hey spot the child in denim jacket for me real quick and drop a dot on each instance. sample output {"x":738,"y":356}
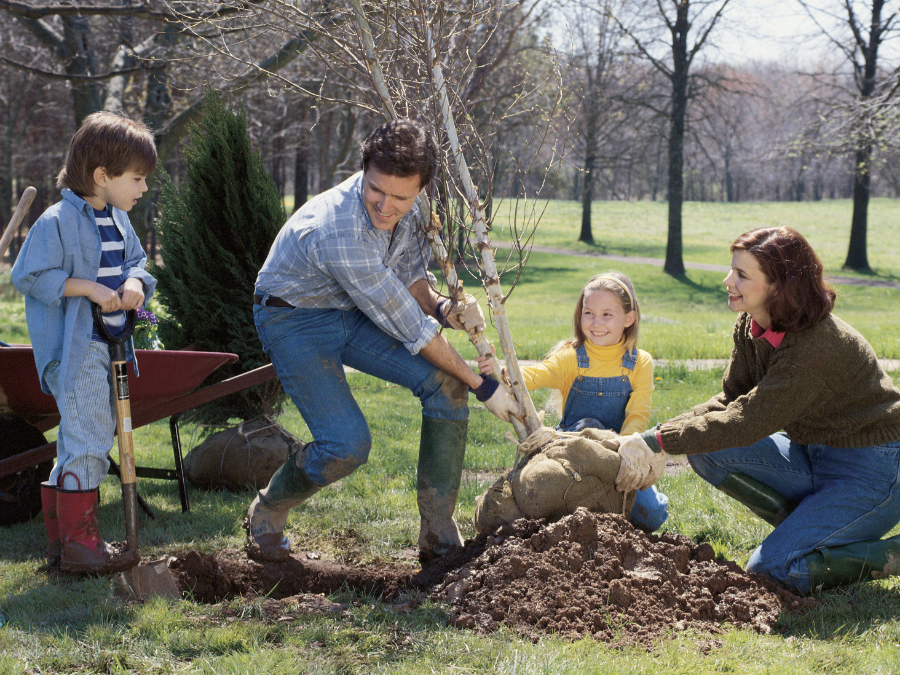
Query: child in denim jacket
{"x":83,"y":250}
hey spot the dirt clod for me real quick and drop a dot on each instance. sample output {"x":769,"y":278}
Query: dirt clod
{"x":587,"y":575}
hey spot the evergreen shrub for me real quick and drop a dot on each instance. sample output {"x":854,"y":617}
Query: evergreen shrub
{"x":215,"y":231}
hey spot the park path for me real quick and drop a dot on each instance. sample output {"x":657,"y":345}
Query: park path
{"x":693,"y":364}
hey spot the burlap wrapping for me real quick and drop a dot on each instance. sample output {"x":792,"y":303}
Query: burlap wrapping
{"x":572,"y":470}
{"x":242,"y":457}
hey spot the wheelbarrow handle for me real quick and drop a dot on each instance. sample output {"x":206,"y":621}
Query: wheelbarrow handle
{"x":116,"y":342}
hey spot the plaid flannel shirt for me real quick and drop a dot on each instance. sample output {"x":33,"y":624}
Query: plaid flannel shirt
{"x":328,"y":255}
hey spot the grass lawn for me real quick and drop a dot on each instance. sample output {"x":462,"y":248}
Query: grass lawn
{"x":79,"y":626}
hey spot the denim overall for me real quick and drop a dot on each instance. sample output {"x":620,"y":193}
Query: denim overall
{"x":599,"y":403}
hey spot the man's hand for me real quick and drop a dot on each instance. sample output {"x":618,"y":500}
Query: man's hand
{"x":640,"y":467}
{"x":498,"y":399}
{"x":463,"y":316}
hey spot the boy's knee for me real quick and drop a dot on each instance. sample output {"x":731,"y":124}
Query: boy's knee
{"x":327,"y":463}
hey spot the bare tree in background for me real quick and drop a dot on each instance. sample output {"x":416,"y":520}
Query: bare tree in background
{"x":663,"y":41}
{"x":857,"y":30}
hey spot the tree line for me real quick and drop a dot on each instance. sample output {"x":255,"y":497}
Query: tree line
{"x":577,"y":99}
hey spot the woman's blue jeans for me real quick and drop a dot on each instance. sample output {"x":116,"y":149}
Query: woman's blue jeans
{"x":844,"y":495}
{"x":309,"y":348}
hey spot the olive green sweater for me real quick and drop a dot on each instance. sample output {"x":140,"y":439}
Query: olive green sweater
{"x":821,"y":386}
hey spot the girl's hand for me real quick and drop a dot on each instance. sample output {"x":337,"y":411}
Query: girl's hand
{"x":485,"y":364}
{"x":132,"y":294}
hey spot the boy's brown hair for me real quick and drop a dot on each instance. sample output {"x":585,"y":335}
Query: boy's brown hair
{"x":107,"y":139}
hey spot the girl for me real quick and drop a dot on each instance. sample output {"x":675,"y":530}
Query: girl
{"x":605,"y":381}
{"x":830,"y":482}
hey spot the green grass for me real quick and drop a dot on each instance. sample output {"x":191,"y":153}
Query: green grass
{"x":79,"y":626}
{"x":640,"y":229}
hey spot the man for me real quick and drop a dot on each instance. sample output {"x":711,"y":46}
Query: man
{"x":345,"y":283}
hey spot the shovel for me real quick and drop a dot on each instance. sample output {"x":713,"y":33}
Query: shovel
{"x":146,"y":579}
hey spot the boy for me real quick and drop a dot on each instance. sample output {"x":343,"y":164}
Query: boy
{"x":83,"y":250}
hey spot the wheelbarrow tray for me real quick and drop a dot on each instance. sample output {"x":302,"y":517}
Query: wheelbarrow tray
{"x":163,"y":375}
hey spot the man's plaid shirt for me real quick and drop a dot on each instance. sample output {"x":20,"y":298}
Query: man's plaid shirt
{"x":328,"y":255}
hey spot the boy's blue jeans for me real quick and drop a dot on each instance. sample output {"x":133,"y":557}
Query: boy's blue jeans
{"x":309,"y":348}
{"x":844,"y":495}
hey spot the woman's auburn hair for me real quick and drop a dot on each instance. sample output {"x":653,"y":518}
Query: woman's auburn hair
{"x":801,"y":299}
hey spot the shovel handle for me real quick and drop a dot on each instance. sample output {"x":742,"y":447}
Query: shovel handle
{"x":16,"y":220}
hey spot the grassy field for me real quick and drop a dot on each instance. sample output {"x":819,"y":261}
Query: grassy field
{"x":79,"y":626}
{"x":640,"y":229}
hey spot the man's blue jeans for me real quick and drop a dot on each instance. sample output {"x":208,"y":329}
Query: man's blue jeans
{"x":309,"y":348}
{"x":844,"y":495}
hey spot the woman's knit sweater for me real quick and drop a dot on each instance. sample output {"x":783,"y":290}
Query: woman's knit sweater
{"x":821,"y":386}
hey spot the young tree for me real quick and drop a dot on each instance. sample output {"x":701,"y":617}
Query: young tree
{"x":216,"y":230}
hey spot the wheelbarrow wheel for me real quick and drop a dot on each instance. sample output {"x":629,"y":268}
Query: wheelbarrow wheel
{"x":20,"y":493}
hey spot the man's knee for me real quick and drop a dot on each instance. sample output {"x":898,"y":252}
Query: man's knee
{"x":446,"y":393}
{"x":328,"y":462}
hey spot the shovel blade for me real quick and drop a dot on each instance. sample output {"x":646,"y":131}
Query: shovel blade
{"x":146,"y":580}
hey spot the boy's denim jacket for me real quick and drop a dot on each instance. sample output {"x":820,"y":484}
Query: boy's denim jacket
{"x":65,"y":243}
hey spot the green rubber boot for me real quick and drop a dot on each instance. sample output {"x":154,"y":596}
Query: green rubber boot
{"x":860,"y":561}
{"x":267,"y":516}
{"x":758,"y":497}
{"x":442,"y":450}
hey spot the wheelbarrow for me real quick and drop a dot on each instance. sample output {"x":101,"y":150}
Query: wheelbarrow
{"x":165,"y":388}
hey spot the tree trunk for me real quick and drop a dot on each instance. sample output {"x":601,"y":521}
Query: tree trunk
{"x":674,"y":264}
{"x":857,"y":257}
{"x":587,"y":197}
{"x":301,"y":176}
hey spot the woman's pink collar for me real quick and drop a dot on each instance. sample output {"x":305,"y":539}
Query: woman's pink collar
{"x":772,"y":337}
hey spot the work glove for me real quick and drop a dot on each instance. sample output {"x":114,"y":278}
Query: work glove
{"x":499,"y":400}
{"x":462,"y":316}
{"x":640,"y":465}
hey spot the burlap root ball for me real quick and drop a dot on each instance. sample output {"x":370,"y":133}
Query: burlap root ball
{"x":573,"y":470}
{"x":241,"y":457}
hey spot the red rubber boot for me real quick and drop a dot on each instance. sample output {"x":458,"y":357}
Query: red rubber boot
{"x":84,"y":551}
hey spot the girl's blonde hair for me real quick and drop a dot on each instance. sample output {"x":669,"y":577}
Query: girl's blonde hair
{"x":620,"y":286}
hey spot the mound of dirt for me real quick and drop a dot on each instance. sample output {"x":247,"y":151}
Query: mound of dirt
{"x":595,"y":575}
{"x":587,"y":575}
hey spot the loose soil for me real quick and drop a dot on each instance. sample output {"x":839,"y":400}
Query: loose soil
{"x":587,"y":575}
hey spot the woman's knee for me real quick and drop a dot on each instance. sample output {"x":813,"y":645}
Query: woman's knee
{"x":709,"y":470}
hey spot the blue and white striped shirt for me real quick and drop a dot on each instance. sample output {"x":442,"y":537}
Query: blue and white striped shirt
{"x":112,"y":259}
{"x":328,"y":255}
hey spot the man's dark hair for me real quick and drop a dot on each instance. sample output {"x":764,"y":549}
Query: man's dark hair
{"x":403,"y":148}
{"x":110,"y":140}
{"x":801,"y":298}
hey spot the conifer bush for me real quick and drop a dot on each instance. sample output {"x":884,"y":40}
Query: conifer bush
{"x":215,"y":231}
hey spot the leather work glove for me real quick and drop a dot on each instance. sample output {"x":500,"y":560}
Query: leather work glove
{"x":498,"y":400}
{"x":462,"y":316}
{"x":640,"y":466}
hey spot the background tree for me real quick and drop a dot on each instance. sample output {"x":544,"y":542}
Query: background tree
{"x":675,"y":19}
{"x":216,"y":229}
{"x":857,"y":30}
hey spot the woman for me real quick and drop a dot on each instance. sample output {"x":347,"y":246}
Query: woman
{"x":830,"y":481}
